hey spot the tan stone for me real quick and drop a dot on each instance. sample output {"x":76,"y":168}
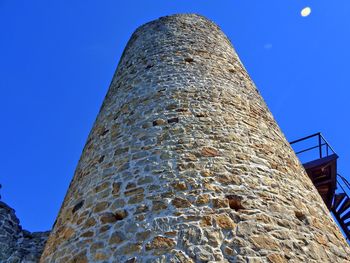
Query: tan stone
{"x":81,"y":258}
{"x":160,"y":242}
{"x":140,"y":217}
{"x":87,"y":234}
{"x":229,"y":251}
{"x":120,"y":214}
{"x":135,"y":191}
{"x":116,"y":189}
{"x":101,"y":207}
{"x":225,"y":221}
{"x":276,"y":258}
{"x":108,"y":218}
{"x":97,"y":245}
{"x":203,"y":199}
{"x":180,"y":257}
{"x":120,"y":151}
{"x":136,"y":199}
{"x":228,"y":179}
{"x":220,"y":203}
{"x":171,"y":106}
{"x":101,"y":256}
{"x":206,"y":221}
{"x":80,"y":220}
{"x":141,"y":236}
{"x":180,"y":202}
{"x":141,"y":209}
{"x":104,"y":228}
{"x":322,"y":239}
{"x":264,"y":218}
{"x":116,"y":238}
{"x":316,"y":223}
{"x":264,"y":242}
{"x":130,"y":186}
{"x":130,"y":248}
{"x":206,"y":173}
{"x":159,"y":122}
{"x":101,"y":187}
{"x":68,"y":233}
{"x":209,"y":152}
{"x":180,"y":186}
{"x":211,"y":187}
{"x":158,"y":205}
{"x":190,"y":157}
{"x":214,"y":238}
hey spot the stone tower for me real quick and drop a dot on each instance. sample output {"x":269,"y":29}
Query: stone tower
{"x":185,"y":163}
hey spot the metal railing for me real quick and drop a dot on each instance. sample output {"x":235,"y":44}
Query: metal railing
{"x":324,"y":148}
{"x":344,"y":184}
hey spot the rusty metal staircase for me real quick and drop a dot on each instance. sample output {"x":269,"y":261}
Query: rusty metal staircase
{"x":320,"y":163}
{"x":341,"y":205}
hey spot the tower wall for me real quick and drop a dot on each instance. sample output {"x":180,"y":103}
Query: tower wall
{"x":185,"y":163}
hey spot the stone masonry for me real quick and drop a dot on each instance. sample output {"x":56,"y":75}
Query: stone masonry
{"x":185,"y":163}
{"x":18,"y":245}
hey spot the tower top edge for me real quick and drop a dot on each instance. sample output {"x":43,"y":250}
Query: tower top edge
{"x":177,"y":29}
{"x":184,"y":17}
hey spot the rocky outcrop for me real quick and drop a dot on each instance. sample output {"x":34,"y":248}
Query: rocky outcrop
{"x":18,"y":245}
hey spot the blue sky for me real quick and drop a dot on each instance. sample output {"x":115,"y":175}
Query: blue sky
{"x":57,"y":59}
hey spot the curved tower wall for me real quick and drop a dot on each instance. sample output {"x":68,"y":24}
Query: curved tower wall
{"x":185,"y":163}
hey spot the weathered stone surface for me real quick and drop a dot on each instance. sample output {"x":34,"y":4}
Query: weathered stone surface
{"x":68,"y":233}
{"x":101,"y":256}
{"x":159,"y":122}
{"x":116,"y":188}
{"x":276,"y":258}
{"x":180,"y":186}
{"x":203,"y":199}
{"x":206,"y":221}
{"x":162,"y":243}
{"x":220,"y":203}
{"x":180,"y":257}
{"x":235,"y":202}
{"x":185,"y":163}
{"x":225,"y":222}
{"x":134,"y":191}
{"x":16,"y":244}
{"x":116,"y":238}
{"x":209,"y":152}
{"x":80,"y":258}
{"x":120,"y":214}
{"x":102,"y":187}
{"x":101,"y":207}
{"x":130,"y":248}
{"x":87,"y":234}
{"x":89,"y":223}
{"x":108,"y":218}
{"x":159,"y":205}
{"x":181,"y":202}
{"x":265,"y":242}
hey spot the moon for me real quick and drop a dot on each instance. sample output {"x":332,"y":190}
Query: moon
{"x":306,"y":11}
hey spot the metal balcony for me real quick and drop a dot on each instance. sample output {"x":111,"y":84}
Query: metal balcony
{"x":320,"y":162}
